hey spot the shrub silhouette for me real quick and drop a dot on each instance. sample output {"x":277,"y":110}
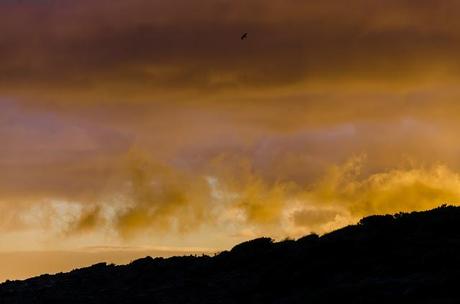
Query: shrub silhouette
{"x":254,"y":246}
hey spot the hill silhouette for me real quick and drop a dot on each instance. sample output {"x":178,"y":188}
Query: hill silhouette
{"x":402,"y":258}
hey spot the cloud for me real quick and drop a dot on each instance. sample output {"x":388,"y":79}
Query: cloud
{"x":313,"y":217}
{"x":388,"y":192}
{"x":238,"y":138}
{"x":145,"y":48}
{"x":157,"y":200}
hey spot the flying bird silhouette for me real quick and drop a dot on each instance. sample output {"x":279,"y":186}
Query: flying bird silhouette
{"x":245,"y":35}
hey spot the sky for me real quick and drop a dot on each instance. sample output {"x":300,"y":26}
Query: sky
{"x":141,"y":126}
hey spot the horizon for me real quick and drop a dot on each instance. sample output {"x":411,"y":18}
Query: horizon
{"x":182,"y":125}
{"x":22,"y":265}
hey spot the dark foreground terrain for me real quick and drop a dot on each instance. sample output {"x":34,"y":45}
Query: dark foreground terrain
{"x":402,"y":258}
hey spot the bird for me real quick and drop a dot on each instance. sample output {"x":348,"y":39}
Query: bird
{"x":245,"y":35}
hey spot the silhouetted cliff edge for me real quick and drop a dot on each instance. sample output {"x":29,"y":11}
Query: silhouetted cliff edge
{"x":402,"y":258}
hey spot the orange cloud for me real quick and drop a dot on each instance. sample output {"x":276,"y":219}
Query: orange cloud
{"x":234,"y":203}
{"x":238,"y":137}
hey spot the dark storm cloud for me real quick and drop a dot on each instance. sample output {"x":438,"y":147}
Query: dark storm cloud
{"x":153,"y":45}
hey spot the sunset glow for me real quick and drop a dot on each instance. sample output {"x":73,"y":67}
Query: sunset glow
{"x":150,"y":126}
